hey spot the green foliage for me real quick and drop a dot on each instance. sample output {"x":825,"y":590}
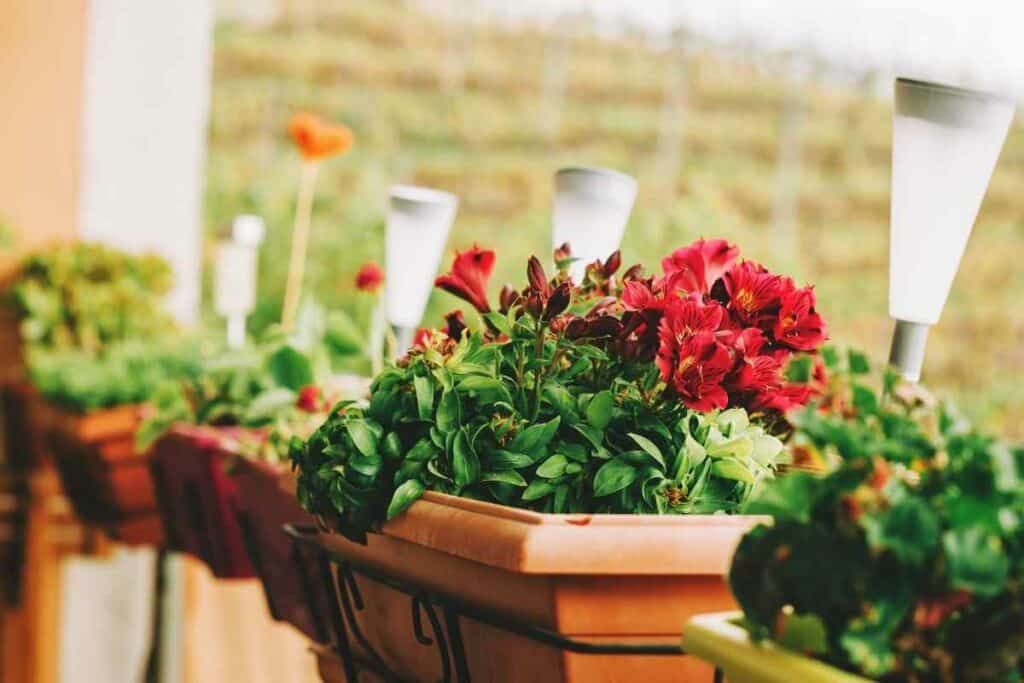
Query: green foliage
{"x":86,"y":296}
{"x":909,"y":554}
{"x":255,"y":387}
{"x":535,"y":421}
{"x":127,"y":372}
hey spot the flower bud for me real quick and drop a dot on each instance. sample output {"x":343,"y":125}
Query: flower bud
{"x":613,"y":263}
{"x":537,"y":277}
{"x":558,"y":302}
{"x":508,"y":298}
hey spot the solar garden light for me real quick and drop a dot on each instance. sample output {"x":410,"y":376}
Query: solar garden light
{"x":945,"y":144}
{"x":419,"y":219}
{"x":591,"y":208}
{"x":235,"y":279}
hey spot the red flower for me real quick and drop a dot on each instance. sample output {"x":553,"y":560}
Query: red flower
{"x":752,"y":293}
{"x":639,"y":295}
{"x":691,"y":358}
{"x":798,"y":325}
{"x":696,"y":267}
{"x":423,"y":337}
{"x":369,"y":278}
{"x":695,"y":368}
{"x":783,"y":398}
{"x":932,"y":612}
{"x":469,"y":276}
{"x":309,"y":398}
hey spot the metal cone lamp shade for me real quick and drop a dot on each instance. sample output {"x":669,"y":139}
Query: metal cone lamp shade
{"x":591,"y":208}
{"x":419,"y":220}
{"x":945,"y":145}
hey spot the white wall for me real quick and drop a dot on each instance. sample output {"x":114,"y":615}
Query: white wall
{"x":146,"y":103}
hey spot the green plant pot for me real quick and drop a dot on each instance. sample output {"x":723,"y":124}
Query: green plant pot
{"x":716,"y":639}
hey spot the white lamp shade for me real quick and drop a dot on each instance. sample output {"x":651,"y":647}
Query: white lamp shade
{"x":945,"y":145}
{"x":418,"y":223}
{"x":234,"y":290}
{"x":591,"y":208}
{"x":248,"y":230}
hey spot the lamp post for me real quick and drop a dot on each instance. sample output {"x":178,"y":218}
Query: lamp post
{"x":945,"y":145}
{"x":235,"y":278}
{"x":419,"y":219}
{"x":590,"y":212}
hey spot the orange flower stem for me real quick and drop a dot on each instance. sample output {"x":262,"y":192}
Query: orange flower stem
{"x":300,"y":242}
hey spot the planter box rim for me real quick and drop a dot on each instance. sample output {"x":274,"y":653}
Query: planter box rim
{"x":714,"y":638}
{"x":528,"y":542}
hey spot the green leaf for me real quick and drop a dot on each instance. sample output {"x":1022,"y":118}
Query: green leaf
{"x":787,"y":498}
{"x":290,"y":368}
{"x":267,"y":405}
{"x":739,"y":447}
{"x":733,"y":421}
{"x":859,"y":364}
{"x":592,"y":435}
{"x":976,"y":560}
{"x":732,"y":469}
{"x":537,"y":489}
{"x":909,"y":530}
{"x":534,"y":437}
{"x":362,"y":436}
{"x":553,"y":467}
{"x":447,"y":418}
{"x":499,"y":322}
{"x":613,"y":476}
{"x":506,"y":460}
{"x":766,"y":449}
{"x":367,"y":465}
{"x":599,"y":410}
{"x":510,"y":477}
{"x":804,"y":633}
{"x":424,"y":397}
{"x":404,"y":496}
{"x":649,"y":447}
{"x":484,"y":388}
{"x":864,"y":400}
{"x":465,"y":463}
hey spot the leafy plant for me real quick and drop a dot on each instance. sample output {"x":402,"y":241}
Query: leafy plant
{"x":260,"y":387}
{"x":85,"y":296}
{"x":906,"y":562}
{"x":556,"y":401}
{"x":125,"y":373}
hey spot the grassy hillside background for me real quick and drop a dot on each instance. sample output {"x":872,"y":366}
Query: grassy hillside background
{"x":380,"y":68}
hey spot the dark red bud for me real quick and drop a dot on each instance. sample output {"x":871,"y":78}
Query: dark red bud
{"x":576,"y":328}
{"x":456,"y":324}
{"x":613,"y":263}
{"x":634,"y":273}
{"x":537,"y":277}
{"x":558,"y":302}
{"x":508,"y":298}
{"x":534,"y":305}
{"x":605,"y":326}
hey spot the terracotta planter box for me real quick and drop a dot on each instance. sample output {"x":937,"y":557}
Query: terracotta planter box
{"x":716,"y":639}
{"x":103,"y":474}
{"x":198,"y":499}
{"x":600,"y":578}
{"x":265,"y":507}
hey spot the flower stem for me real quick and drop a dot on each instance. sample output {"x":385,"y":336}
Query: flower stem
{"x":300,"y":242}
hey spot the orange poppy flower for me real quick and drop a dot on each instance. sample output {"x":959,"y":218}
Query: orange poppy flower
{"x":319,"y":140}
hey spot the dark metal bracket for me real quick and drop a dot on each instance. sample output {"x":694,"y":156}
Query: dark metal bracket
{"x":443,"y":614}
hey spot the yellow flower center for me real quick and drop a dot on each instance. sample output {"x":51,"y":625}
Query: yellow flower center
{"x":745,"y":299}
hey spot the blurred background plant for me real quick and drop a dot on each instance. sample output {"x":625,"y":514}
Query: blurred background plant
{"x":87,"y":296}
{"x":796,"y":170}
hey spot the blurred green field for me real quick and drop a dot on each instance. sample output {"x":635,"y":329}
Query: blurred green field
{"x":378,"y":67}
